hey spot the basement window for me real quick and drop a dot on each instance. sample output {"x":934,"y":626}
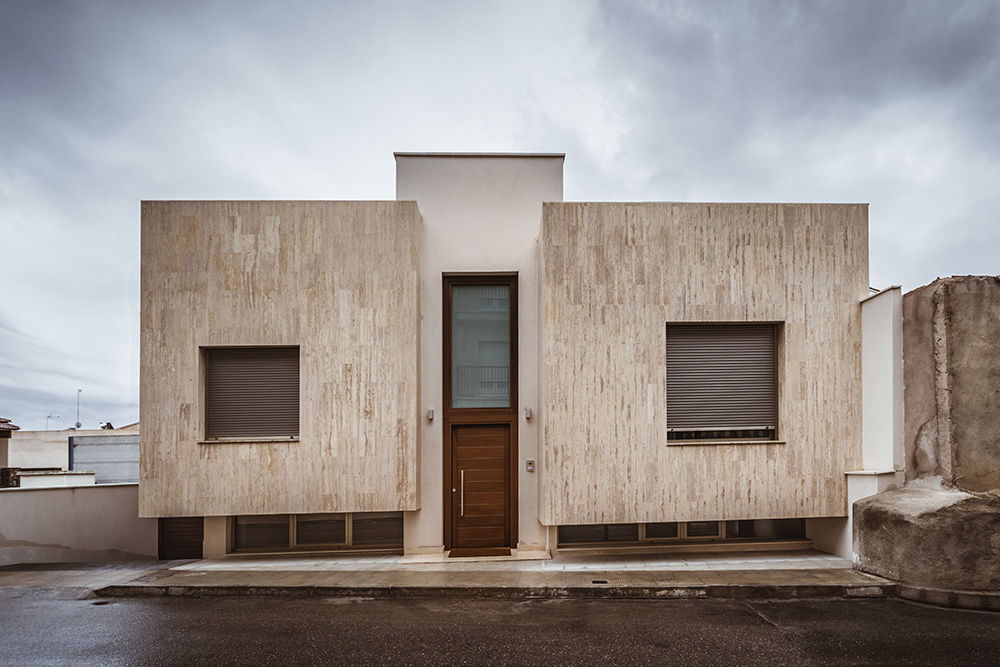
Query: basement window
{"x":317,"y":532}
{"x":625,"y":534}
{"x":721,"y":382}
{"x":251,"y":393}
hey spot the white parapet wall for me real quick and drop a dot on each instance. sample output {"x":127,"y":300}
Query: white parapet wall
{"x":882,"y":457}
{"x":38,"y":479}
{"x":74,"y":524}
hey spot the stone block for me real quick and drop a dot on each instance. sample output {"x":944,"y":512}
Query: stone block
{"x":930,"y":537}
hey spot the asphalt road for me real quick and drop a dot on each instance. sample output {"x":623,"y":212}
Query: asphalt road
{"x":39,"y":629}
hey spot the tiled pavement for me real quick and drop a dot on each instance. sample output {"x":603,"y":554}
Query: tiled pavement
{"x":748,"y":575}
{"x":765,"y":575}
{"x":565,"y":562}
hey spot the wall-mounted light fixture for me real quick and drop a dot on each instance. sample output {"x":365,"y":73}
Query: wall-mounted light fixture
{"x":430,"y":415}
{"x":527,"y":413}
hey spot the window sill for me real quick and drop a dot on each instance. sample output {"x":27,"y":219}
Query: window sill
{"x":247,"y":441}
{"x":688,"y":443}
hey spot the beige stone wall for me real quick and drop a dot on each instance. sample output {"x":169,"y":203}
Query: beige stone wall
{"x":614,"y":274}
{"x":338,"y":279}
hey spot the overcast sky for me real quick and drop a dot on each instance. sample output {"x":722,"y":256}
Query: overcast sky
{"x":103,"y":104}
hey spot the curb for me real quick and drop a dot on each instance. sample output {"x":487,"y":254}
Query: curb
{"x":718,"y":592}
{"x":944,"y":597}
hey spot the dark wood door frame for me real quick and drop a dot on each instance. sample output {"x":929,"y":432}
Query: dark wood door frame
{"x":454,"y":416}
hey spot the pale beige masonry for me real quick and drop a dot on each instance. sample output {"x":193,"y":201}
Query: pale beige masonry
{"x":614,"y":274}
{"x":480,"y":213}
{"x":338,"y":279}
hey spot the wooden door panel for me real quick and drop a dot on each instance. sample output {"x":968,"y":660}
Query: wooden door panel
{"x":480,"y":457}
{"x":480,"y":419}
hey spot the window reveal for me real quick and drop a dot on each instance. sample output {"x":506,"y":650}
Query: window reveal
{"x":721,"y":382}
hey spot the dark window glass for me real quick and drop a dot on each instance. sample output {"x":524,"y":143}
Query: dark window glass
{"x":589,"y":533}
{"x":269,"y":531}
{"x":740,"y":529}
{"x":599,"y":532}
{"x":660,"y":531}
{"x":703,"y":529}
{"x":623,"y":532}
{"x":480,"y":346}
{"x":320,"y":529}
{"x":377,"y":529}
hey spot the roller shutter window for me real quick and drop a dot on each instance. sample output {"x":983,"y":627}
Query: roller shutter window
{"x":252,"y":392}
{"x":721,"y":382}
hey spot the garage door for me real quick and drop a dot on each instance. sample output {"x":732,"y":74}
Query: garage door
{"x":181,"y":537}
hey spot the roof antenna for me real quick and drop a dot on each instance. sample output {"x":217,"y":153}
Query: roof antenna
{"x":78,"y":424}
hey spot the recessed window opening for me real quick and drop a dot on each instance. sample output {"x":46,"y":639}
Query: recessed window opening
{"x":251,"y":392}
{"x":316,"y":532}
{"x":721,"y":381}
{"x":680,"y":531}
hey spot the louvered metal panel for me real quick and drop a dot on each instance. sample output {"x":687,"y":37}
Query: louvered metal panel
{"x":252,"y":392}
{"x":721,"y":377}
{"x":181,"y":537}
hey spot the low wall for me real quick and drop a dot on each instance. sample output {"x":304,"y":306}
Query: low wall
{"x":74,"y":524}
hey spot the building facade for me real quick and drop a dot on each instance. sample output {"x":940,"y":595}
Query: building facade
{"x":479,"y":367}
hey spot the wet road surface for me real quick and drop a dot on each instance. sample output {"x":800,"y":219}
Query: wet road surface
{"x":52,"y":628}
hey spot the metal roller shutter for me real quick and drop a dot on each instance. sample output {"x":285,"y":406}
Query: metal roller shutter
{"x":252,"y":392}
{"x":181,"y":537}
{"x":721,"y":377}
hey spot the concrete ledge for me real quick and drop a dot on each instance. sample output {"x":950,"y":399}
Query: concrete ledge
{"x":735,"y":592}
{"x":690,"y":584}
{"x":988,"y":600}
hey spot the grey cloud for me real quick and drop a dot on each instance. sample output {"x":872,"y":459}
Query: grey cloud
{"x":108,"y":103}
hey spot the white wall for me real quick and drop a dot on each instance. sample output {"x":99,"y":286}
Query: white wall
{"x":882,"y":380}
{"x":480,"y":213}
{"x":40,"y":480}
{"x":883,"y":459}
{"x":74,"y":524}
{"x":50,"y":449}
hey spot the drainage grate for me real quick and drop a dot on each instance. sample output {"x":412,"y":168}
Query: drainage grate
{"x":598,"y":581}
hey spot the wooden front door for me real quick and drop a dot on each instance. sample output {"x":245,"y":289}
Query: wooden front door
{"x":480,"y":415}
{"x":481,"y":466}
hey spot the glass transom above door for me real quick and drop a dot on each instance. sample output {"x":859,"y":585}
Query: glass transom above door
{"x":480,"y":346}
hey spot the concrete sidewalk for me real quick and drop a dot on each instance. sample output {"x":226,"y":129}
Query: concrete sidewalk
{"x":734,"y":576}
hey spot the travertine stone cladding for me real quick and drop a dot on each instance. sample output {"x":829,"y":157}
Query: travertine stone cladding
{"x":338,"y":279}
{"x":613,"y":274}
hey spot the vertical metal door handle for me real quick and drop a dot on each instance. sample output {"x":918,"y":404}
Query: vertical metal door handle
{"x":462,"y":495}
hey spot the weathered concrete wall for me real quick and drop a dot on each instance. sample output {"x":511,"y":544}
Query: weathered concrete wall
{"x":951,"y":369}
{"x":932,"y":533}
{"x":77,"y":524}
{"x":930,"y":537}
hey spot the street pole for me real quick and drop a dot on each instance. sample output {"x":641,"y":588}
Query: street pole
{"x":78,"y":408}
